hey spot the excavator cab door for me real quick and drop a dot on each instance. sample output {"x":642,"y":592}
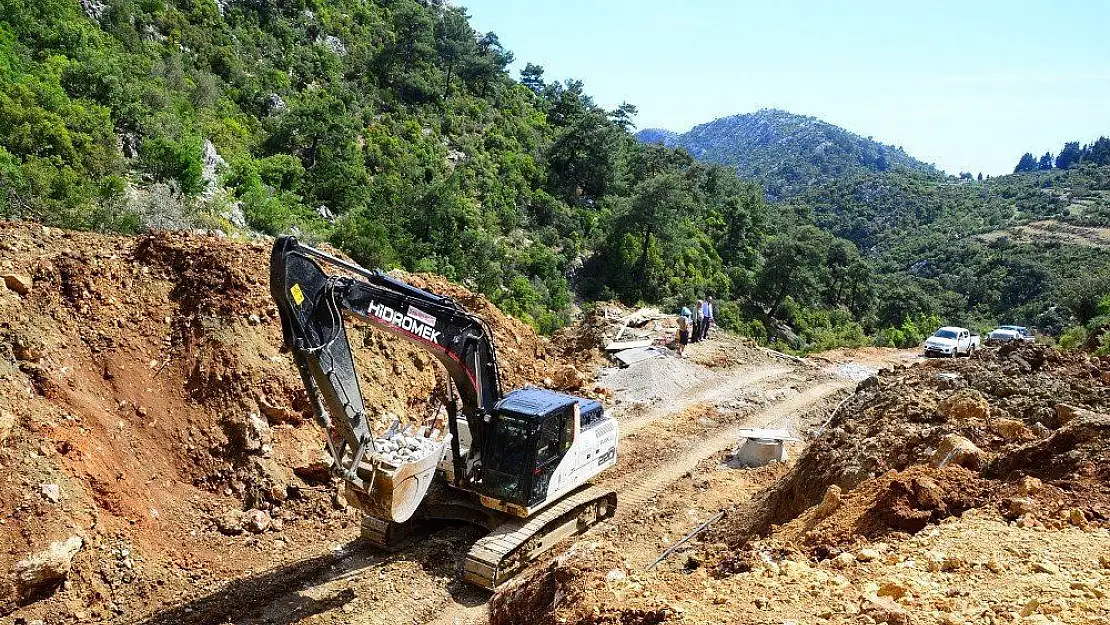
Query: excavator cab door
{"x":554,"y":437}
{"x":505,"y":472}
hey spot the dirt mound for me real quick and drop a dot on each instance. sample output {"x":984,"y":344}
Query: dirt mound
{"x":952,"y":491}
{"x":588,"y":585}
{"x":148,"y":414}
{"x":999,"y":403}
{"x":902,"y":502}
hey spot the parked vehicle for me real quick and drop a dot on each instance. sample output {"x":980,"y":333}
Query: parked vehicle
{"x":1005,"y":334}
{"x":951,"y":342}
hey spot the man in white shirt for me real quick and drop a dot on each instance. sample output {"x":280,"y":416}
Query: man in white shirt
{"x":707,"y":317}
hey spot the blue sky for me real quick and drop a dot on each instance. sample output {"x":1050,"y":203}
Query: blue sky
{"x":969,"y":86}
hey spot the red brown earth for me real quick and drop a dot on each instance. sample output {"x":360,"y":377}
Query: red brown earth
{"x":143,"y":386}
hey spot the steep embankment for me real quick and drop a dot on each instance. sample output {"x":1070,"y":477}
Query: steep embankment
{"x":156,"y":441}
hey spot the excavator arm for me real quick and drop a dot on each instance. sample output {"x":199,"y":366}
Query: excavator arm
{"x":312,"y":305}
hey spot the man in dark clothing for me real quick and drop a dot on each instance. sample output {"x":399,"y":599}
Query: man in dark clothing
{"x":707,"y":317}
{"x":698,"y":321}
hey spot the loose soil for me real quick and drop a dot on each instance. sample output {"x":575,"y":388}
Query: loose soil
{"x":876,"y":522}
{"x":144,"y":377}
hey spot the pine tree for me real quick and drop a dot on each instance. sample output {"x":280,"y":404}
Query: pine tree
{"x":1070,"y":155}
{"x":532,"y":77}
{"x":1027,"y":163}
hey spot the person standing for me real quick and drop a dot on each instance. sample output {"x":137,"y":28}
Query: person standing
{"x":697,"y":321}
{"x":707,"y":317}
{"x":683,"y":332}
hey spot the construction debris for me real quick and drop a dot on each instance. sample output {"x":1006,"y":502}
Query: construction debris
{"x":632,"y":356}
{"x":758,"y":447}
{"x":617,"y":346}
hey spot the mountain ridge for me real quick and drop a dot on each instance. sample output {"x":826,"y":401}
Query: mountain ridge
{"x":784,"y":151}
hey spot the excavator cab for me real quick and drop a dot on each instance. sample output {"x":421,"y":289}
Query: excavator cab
{"x":533,"y":430}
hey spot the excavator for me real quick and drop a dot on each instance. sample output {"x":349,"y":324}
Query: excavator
{"x":517,"y":464}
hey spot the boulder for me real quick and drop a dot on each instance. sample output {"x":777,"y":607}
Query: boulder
{"x":1030,"y":485}
{"x":884,"y":610}
{"x":230,"y":523}
{"x":830,"y":503}
{"x":1012,"y":430}
{"x":28,"y":350}
{"x":257,"y":521}
{"x":868,"y":555}
{"x":51,"y":492}
{"x":1066,"y":413}
{"x":957,"y":450}
{"x":1018,"y":507}
{"x":965,"y":406}
{"x":7,"y":422}
{"x":18,"y":282}
{"x":39,"y":574}
{"x":251,"y":434}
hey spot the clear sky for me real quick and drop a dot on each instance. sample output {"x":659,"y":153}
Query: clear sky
{"x":967,"y":85}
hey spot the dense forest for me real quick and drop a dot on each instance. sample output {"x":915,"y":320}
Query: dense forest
{"x":393,"y":130}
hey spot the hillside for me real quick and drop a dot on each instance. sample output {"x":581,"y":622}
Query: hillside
{"x":1011,"y":247}
{"x":393,"y":130}
{"x":786,"y":152}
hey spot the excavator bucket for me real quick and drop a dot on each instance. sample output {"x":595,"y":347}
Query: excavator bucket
{"x":400,"y":473}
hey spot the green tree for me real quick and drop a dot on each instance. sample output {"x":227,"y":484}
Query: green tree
{"x":624,"y":116}
{"x":1069,"y":156}
{"x":414,"y":44}
{"x":454,"y":43}
{"x":1027,"y":163}
{"x":791,"y":269}
{"x":532,"y":77}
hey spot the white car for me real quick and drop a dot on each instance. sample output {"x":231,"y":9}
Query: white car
{"x":951,"y":341}
{"x":1005,"y":334}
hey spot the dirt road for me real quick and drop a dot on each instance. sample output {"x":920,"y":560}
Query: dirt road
{"x":665,"y":442}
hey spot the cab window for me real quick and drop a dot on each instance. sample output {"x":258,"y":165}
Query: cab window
{"x":568,"y":433}
{"x":548,"y":445}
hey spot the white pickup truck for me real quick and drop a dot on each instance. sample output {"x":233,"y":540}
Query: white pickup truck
{"x":951,"y":342}
{"x":1005,"y":334}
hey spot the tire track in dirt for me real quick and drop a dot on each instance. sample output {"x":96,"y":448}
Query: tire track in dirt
{"x":327,"y":591}
{"x":706,"y":392}
{"x":636,"y":489}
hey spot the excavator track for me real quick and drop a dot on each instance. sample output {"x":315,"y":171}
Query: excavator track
{"x":517,"y":543}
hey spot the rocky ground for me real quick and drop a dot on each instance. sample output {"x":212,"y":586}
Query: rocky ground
{"x":160,"y":466}
{"x":156,"y":444}
{"x":967,"y":491}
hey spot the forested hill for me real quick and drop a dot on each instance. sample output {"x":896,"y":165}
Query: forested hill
{"x":393,"y":130}
{"x":785,"y":152}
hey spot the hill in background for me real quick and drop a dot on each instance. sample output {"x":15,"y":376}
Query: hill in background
{"x":786,"y":152}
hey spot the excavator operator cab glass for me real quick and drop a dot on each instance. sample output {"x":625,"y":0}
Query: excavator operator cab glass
{"x":505,"y":470}
{"x":529,"y":449}
{"x":533,"y":429}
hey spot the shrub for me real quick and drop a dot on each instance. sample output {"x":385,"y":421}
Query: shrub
{"x":167,"y":159}
{"x":1073,"y":337}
